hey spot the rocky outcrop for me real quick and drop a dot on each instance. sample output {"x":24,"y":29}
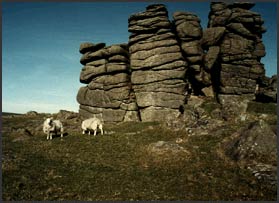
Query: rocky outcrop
{"x":31,"y":113}
{"x":234,"y":47}
{"x":165,"y":62}
{"x":66,"y":115}
{"x":108,"y":93}
{"x":253,"y":142}
{"x":157,"y":65}
{"x":21,"y":134}
{"x":254,"y":146}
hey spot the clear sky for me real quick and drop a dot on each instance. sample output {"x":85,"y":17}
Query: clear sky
{"x":40,"y":46}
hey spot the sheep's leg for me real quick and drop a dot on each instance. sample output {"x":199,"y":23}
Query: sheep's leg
{"x":101,"y":128}
{"x":83,"y":132}
{"x":47,"y":136}
{"x":88,"y":132}
{"x":95,"y":132}
{"x":50,"y":136}
{"x":62,"y":132}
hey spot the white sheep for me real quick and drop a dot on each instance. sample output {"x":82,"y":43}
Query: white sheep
{"x":52,"y":126}
{"x":92,"y":124}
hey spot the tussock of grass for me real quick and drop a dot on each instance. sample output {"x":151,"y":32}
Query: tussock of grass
{"x":209,"y":106}
{"x":264,"y":108}
{"x":118,"y":166}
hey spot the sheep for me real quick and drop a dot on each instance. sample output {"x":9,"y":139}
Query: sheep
{"x":92,"y":124}
{"x":52,"y":126}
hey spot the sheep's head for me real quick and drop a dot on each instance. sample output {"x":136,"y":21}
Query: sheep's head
{"x":48,"y":125}
{"x":49,"y":121}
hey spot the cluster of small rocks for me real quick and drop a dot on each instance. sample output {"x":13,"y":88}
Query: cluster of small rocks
{"x":158,"y":67}
{"x":108,"y":94}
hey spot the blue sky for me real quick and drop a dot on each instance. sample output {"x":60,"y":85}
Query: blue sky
{"x":40,"y":46}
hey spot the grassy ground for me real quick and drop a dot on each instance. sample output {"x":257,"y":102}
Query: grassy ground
{"x":118,"y":166}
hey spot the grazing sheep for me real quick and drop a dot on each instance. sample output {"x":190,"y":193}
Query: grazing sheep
{"x":52,"y":126}
{"x":92,"y":124}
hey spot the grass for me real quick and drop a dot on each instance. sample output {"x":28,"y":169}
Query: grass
{"x":210,"y":106}
{"x":118,"y":166}
{"x":264,"y":108}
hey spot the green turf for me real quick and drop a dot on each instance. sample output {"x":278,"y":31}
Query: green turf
{"x":118,"y":166}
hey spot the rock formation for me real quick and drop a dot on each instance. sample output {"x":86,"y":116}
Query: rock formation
{"x":234,"y":47}
{"x":164,"y":62}
{"x":108,"y":93}
{"x":266,"y":90}
{"x":189,"y":33}
{"x":158,"y":67}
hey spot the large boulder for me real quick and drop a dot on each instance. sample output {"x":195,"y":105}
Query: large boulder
{"x":240,"y":29}
{"x":90,"y":47}
{"x":102,"y":98}
{"x":108,"y":114}
{"x":254,"y":148}
{"x":255,"y":142}
{"x":212,"y":36}
{"x":211,"y":57}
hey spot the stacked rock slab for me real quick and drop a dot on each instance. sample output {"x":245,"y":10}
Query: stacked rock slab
{"x":189,"y":33}
{"x":158,"y":67}
{"x":234,"y":48}
{"x":108,"y":94}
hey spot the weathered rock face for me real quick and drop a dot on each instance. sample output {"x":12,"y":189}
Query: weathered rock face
{"x":253,"y":142}
{"x":234,"y":106}
{"x":158,"y":67}
{"x":233,"y":41}
{"x":165,"y":62}
{"x":254,"y":146}
{"x":108,"y":93}
{"x":189,"y":33}
{"x":266,"y":90}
